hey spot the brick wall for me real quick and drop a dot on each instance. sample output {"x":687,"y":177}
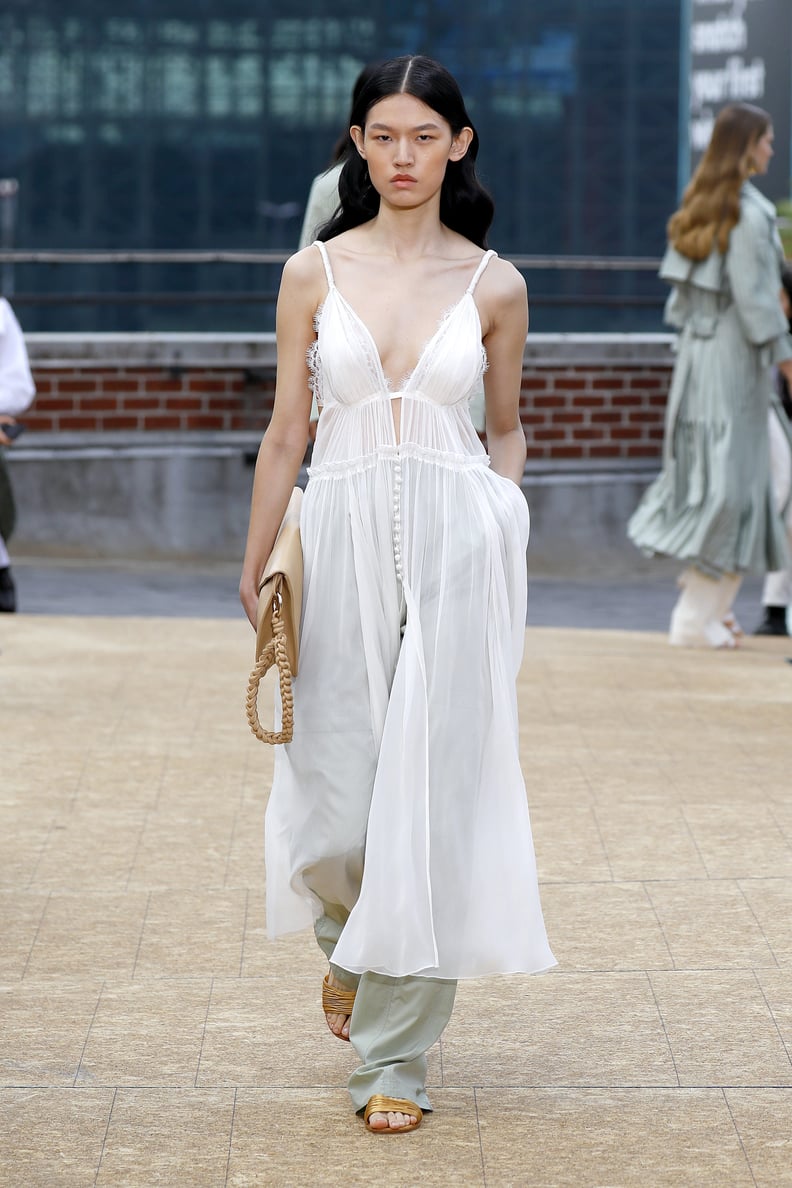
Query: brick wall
{"x":590,"y":407}
{"x":139,"y":399}
{"x":594,"y":412}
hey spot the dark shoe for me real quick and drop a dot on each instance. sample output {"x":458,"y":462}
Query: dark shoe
{"x":7,"y":591}
{"x":774,"y":621}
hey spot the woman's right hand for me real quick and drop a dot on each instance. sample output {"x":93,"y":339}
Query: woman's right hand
{"x":785,"y":367}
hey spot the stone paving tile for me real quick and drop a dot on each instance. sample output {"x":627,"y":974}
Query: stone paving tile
{"x":189,"y":780}
{"x":122,"y":773}
{"x":721,"y":1029}
{"x":52,"y":1136}
{"x":770,"y":900}
{"x":604,"y":926}
{"x":43,"y":1029}
{"x":22,"y":843}
{"x":560,"y":1138}
{"x":709,"y":924}
{"x":735,"y":844}
{"x":292,"y":956}
{"x":192,"y":934}
{"x":718,"y":781}
{"x":88,"y":934}
{"x":551,"y":779}
{"x":560,"y":1029}
{"x":146,"y":1033}
{"x":568,"y":844}
{"x":782,"y":807}
{"x":245,"y":861}
{"x":648,"y":841}
{"x":763,"y":1119}
{"x":183,"y":849}
{"x":776,"y":986}
{"x":178,"y":1137}
{"x":90,"y":850}
{"x":20,"y":917}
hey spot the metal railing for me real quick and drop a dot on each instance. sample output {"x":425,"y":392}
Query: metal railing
{"x":165,"y":256}
{"x":9,"y":258}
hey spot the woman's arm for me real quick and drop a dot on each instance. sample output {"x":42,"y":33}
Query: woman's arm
{"x":753,"y":270}
{"x":506,"y":297}
{"x":283,"y":445}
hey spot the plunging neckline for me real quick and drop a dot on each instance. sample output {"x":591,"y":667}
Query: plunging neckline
{"x":388,"y":384}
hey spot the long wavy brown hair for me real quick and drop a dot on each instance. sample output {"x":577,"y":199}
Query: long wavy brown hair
{"x":711,"y":203}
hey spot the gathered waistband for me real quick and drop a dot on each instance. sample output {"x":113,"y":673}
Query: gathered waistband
{"x":396,"y":454}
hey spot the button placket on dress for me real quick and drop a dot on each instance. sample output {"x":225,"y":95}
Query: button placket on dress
{"x":397,"y":523}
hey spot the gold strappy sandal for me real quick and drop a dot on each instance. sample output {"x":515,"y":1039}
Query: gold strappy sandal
{"x":392,"y":1105}
{"x":337,"y":1000}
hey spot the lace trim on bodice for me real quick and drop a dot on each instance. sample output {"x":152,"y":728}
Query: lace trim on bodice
{"x":380,"y":383}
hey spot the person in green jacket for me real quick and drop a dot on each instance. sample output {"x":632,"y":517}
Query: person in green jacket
{"x":712,"y":506}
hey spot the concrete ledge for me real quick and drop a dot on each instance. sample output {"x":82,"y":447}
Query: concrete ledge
{"x":599,"y":350}
{"x":150,"y":350}
{"x":44,"y":447}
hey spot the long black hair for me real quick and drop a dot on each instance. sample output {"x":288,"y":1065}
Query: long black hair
{"x":465,"y":206}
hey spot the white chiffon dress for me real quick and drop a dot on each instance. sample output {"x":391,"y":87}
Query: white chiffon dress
{"x":400,"y":808}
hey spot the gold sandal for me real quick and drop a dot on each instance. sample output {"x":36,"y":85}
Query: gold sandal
{"x":392,"y":1105}
{"x":337,"y":1000}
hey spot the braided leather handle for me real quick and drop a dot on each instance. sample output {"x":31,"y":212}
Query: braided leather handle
{"x":274,"y":653}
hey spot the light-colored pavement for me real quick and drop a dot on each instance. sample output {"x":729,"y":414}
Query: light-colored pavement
{"x":149,"y":1034}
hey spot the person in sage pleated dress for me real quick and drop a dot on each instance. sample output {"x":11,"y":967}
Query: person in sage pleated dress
{"x":712,"y":507}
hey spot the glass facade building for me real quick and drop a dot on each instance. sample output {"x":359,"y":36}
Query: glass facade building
{"x":195,"y":124}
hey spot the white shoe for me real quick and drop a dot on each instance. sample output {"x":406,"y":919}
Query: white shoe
{"x":696,"y":620}
{"x":711,"y":635}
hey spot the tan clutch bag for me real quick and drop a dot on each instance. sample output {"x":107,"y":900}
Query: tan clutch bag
{"x":278,"y":623}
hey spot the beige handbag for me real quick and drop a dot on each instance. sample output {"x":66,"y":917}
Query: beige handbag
{"x":278,"y":623}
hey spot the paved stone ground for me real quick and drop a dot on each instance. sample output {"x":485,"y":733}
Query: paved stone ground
{"x":149,"y":1034}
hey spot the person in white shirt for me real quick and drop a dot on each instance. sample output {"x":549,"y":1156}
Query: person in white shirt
{"x":16,"y":394}
{"x":777,"y":591}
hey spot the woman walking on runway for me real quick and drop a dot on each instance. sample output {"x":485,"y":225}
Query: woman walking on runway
{"x":398,"y":822}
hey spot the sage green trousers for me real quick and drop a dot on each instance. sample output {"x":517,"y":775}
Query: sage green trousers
{"x":394,"y":1023}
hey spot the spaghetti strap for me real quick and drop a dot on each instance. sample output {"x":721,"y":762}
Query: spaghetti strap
{"x":326,"y":261}
{"x":484,"y":261}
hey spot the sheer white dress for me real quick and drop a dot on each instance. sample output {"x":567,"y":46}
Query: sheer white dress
{"x":401,"y":802}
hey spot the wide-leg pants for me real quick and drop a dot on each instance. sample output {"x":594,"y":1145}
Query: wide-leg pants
{"x":395,"y":1021}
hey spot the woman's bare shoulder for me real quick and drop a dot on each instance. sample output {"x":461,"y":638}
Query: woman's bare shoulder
{"x":303,"y":283}
{"x":502,"y":288}
{"x":504,"y":279}
{"x":304,"y":266}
